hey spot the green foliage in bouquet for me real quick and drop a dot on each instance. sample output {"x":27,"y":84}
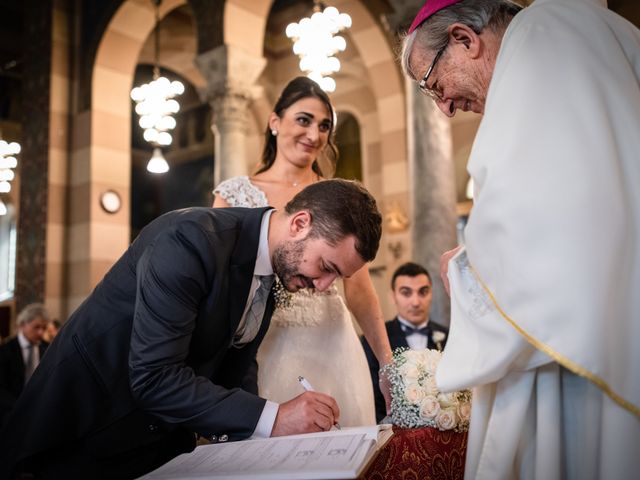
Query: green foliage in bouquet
{"x":416,"y":400}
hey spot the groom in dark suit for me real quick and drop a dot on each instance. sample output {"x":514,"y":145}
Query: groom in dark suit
{"x":412,"y":328}
{"x":164,"y":348}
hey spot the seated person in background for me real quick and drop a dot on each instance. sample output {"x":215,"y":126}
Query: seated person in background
{"x":20,"y":356}
{"x":411,"y":291}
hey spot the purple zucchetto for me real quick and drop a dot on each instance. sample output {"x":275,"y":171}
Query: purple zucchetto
{"x":429,"y":8}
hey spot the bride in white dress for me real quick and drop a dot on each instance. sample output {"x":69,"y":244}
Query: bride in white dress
{"x":313,"y":336}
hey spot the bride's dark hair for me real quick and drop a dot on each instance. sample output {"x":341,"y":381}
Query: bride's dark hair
{"x":297,"y":89}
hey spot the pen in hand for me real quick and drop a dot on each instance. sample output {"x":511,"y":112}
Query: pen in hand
{"x":307,"y":386}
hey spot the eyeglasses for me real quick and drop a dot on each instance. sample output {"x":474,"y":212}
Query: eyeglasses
{"x":422,"y":85}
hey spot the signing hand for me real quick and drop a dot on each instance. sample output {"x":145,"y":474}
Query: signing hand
{"x":308,"y":412}
{"x":444,"y":266}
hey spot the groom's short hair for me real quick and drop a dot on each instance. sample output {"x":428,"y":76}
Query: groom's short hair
{"x":340,"y":208}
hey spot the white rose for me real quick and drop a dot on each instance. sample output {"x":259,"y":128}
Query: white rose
{"x":414,"y":356}
{"x":409,"y":371}
{"x":420,"y":356}
{"x":414,"y":393}
{"x":464,"y":411}
{"x":432,"y":360}
{"x":446,"y":419}
{"x":447,"y":399}
{"x":438,"y":338}
{"x":429,"y":407}
{"x":430,"y":386}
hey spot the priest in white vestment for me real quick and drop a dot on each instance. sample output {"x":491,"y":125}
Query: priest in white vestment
{"x":546,"y":292}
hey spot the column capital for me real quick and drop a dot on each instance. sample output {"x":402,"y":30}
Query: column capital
{"x":231,"y":74}
{"x":230,"y":71}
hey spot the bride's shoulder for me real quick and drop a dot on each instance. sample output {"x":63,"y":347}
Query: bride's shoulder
{"x":240,"y":192}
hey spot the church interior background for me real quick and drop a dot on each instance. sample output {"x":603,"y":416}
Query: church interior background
{"x":67,"y":68}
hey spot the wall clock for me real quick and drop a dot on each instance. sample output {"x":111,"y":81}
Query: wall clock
{"x":110,"y":201}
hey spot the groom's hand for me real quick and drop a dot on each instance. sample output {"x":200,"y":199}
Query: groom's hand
{"x":308,"y":412}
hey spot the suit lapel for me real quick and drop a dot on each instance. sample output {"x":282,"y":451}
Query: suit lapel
{"x":395,"y":332}
{"x":17,"y":354}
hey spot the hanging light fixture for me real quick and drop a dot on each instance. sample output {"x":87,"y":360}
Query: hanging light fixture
{"x":157,"y":163}
{"x":316,"y":44}
{"x":8,"y":162}
{"x":155,"y":104}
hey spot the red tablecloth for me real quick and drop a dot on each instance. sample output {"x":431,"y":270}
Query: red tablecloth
{"x":420,"y":453}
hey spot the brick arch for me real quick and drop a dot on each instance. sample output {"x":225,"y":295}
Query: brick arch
{"x":101,"y":153}
{"x":244,"y":23}
{"x":248,"y":34}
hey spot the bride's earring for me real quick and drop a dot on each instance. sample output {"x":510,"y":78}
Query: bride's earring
{"x":274,"y":132}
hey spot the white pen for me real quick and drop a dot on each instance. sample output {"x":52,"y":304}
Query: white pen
{"x":307,"y":386}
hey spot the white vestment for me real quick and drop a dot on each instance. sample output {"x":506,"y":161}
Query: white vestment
{"x":546,"y":298}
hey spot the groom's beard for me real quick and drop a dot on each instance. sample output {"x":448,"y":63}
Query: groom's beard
{"x":286,"y":262}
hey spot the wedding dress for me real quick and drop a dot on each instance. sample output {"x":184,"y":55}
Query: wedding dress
{"x":314,"y":337}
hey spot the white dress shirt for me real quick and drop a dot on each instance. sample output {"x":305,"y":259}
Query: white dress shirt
{"x":25,"y":346}
{"x":416,"y":341}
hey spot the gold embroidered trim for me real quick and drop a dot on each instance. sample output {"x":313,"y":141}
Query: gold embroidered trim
{"x":562,"y":360}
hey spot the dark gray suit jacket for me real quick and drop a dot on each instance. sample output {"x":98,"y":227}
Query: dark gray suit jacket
{"x":12,"y":374}
{"x":148,"y":356}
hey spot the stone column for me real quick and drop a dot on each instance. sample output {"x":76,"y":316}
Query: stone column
{"x":33,"y":161}
{"x":231,"y":74}
{"x":433,"y":191}
{"x":432,"y":173}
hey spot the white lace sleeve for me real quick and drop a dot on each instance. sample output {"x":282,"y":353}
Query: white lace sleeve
{"x":240,"y":192}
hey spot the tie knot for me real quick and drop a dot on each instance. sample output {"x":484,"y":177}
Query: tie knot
{"x":266,"y":281}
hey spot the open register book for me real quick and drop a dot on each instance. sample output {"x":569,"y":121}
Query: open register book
{"x":336,"y":454}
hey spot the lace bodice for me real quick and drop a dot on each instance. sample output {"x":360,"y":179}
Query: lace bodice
{"x":240,"y":192}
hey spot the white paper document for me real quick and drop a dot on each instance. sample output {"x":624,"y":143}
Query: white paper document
{"x":325,"y":455}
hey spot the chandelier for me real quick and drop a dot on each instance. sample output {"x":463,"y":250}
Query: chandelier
{"x":7,"y":163}
{"x":316,"y":43}
{"x":155,"y":104}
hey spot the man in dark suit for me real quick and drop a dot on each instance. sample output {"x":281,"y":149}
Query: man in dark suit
{"x":411,"y":291}
{"x":20,"y":355}
{"x":164,"y":348}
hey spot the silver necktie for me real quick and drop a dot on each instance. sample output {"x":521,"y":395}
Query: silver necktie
{"x":254,"y":316}
{"x":31,"y":363}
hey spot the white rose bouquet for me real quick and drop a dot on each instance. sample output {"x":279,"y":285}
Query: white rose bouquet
{"x":416,"y":400}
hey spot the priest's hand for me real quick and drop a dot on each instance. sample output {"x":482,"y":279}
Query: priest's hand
{"x":308,"y":412}
{"x":444,"y":266}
